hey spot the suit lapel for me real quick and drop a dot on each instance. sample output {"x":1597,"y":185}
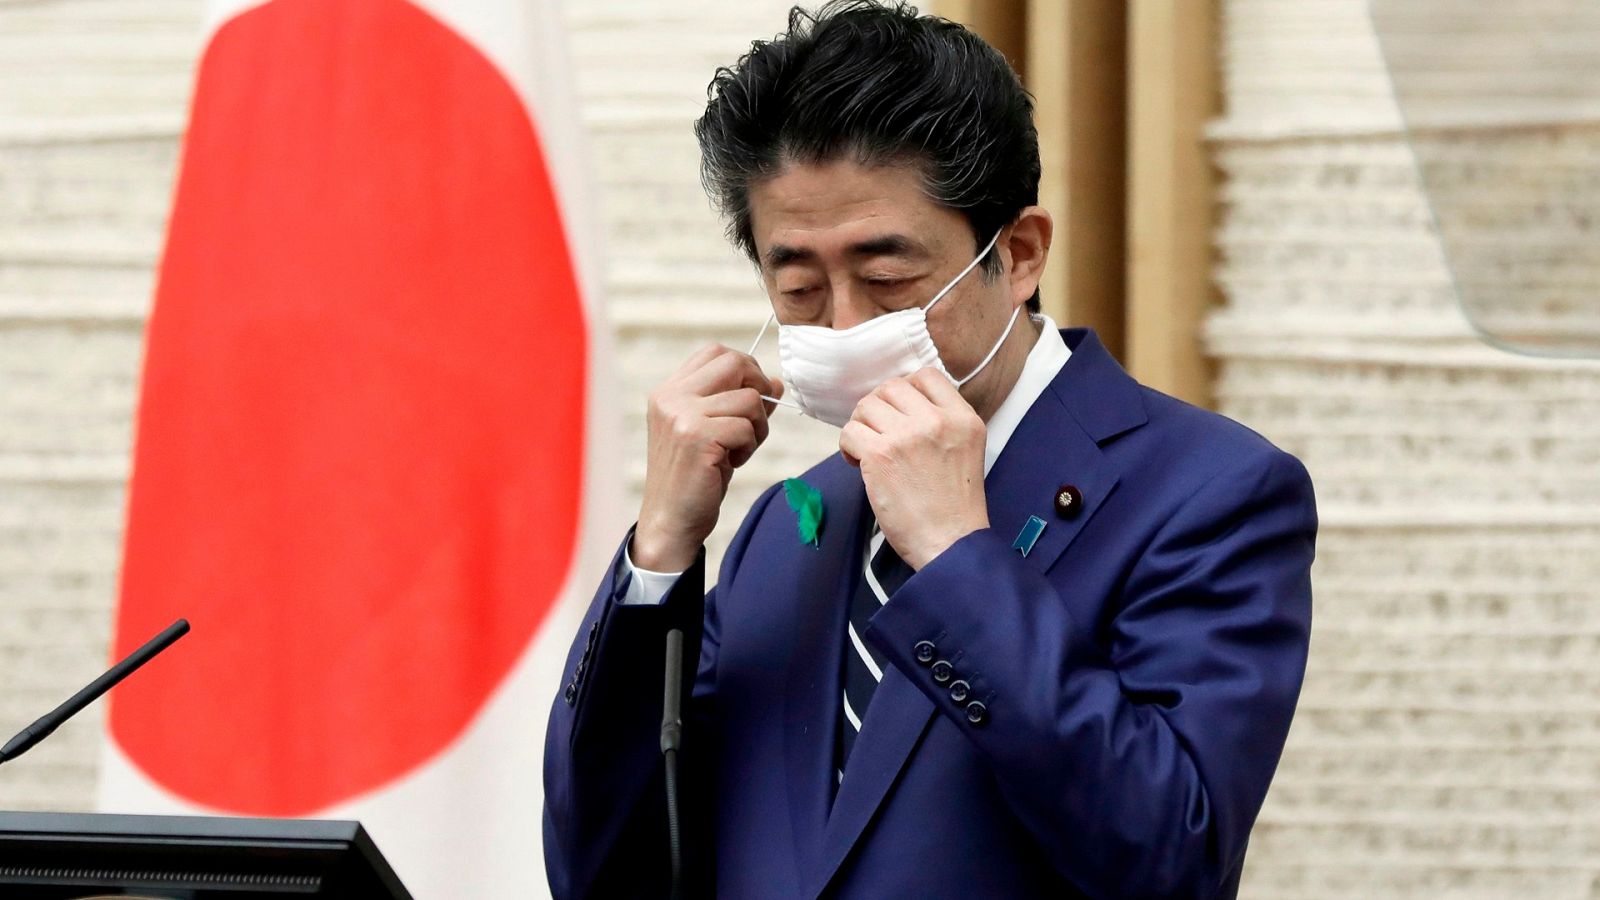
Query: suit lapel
{"x":1057,"y":444}
{"x":896,"y":720}
{"x":1089,"y":402}
{"x":1021,"y":484}
{"x":820,"y":596}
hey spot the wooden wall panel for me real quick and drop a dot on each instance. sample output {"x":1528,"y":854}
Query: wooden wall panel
{"x":1123,"y":90}
{"x":1171,"y":96}
{"x":1077,"y":54}
{"x":1003,"y":23}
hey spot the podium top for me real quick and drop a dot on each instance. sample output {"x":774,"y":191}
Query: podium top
{"x":65,"y":854}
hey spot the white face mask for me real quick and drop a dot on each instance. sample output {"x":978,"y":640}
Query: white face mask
{"x":827,"y":371}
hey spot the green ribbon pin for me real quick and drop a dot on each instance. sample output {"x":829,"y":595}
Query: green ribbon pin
{"x":806,"y":501}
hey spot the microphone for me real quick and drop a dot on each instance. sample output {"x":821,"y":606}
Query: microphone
{"x":672,"y":703}
{"x":671,"y":734}
{"x":52,"y":720}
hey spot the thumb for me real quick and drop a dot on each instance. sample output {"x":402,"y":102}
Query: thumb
{"x":775,"y":391}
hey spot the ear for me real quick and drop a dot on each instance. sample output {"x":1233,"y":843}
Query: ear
{"x":1028,"y":246}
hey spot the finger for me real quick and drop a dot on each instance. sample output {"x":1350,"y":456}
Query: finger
{"x":856,"y":441}
{"x":736,"y":436}
{"x":877,"y":414}
{"x":775,"y":390}
{"x":748,"y":372}
{"x":935,"y":385}
{"x":745,"y":402}
{"x":751,"y":375}
{"x":904,"y":397}
{"x":728,"y":370}
{"x":699,"y":358}
{"x":713,"y":375}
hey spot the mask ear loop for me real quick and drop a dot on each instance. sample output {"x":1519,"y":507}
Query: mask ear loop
{"x":970,"y":266}
{"x":957,"y":280}
{"x":756,"y":343}
{"x":992,"y":350}
{"x":761,"y":334}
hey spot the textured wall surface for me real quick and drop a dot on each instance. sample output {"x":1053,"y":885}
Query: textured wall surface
{"x":92,"y":95}
{"x":1502,"y":103}
{"x":1448,"y":739}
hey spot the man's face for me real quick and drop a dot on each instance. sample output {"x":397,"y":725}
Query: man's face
{"x":840,"y":243}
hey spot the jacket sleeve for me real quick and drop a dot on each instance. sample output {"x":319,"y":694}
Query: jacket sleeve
{"x":1140,"y":759}
{"x":605,"y":828}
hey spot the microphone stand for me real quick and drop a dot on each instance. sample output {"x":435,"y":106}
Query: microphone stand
{"x":671,"y":734}
{"x":52,"y":720}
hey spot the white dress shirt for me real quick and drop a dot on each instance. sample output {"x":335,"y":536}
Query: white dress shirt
{"x":1044,"y":362}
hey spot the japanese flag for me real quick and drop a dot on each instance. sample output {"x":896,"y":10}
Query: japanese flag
{"x":373,"y":465}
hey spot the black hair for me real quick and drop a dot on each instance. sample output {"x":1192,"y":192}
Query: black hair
{"x":883,"y":84}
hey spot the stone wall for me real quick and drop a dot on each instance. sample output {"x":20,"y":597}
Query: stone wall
{"x":92,"y":97}
{"x":1448,"y":739}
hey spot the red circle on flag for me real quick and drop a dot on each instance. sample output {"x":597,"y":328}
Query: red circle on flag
{"x":360,"y":440}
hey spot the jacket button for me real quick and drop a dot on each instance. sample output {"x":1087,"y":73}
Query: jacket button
{"x":959,"y":690}
{"x":942,"y":671}
{"x":571,"y":693}
{"x":925,"y":651}
{"x":1069,"y":501}
{"x":977,"y":712}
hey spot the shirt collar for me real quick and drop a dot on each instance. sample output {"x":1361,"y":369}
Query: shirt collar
{"x":1044,"y":362}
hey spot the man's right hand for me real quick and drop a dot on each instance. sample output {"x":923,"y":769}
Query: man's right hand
{"x":704,"y":422}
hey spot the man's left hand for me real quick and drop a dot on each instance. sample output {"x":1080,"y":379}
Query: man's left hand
{"x":920,"y":448}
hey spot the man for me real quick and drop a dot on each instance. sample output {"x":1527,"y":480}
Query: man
{"x":1049,"y":635}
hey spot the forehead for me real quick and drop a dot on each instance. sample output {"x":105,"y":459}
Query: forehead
{"x":822,"y":207}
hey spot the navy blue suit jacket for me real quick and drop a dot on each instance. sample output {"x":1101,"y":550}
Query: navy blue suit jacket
{"x":1139,"y":667}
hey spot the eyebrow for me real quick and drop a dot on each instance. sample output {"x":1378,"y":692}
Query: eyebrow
{"x":883,"y":245}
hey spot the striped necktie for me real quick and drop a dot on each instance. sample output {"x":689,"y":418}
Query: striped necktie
{"x":863,"y":665}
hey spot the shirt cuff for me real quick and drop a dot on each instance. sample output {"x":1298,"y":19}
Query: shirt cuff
{"x":645,"y":588}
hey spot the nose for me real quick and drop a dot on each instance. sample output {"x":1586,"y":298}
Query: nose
{"x":850,"y":306}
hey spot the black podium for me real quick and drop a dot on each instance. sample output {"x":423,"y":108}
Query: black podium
{"x":54,"y":856}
